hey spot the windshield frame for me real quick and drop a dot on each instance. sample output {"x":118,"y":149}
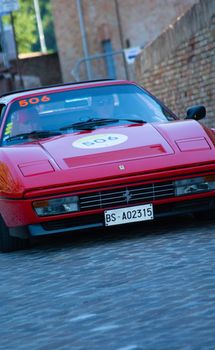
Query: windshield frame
{"x":83,"y":92}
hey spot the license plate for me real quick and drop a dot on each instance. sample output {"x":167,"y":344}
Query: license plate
{"x":128,"y":214}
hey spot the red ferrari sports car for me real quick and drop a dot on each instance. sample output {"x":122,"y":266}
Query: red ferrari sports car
{"x":96,"y":154}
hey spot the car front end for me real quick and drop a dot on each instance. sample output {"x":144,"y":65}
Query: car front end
{"x":75,"y":167}
{"x":67,"y":187}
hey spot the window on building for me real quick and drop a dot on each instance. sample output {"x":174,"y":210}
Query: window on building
{"x":109,"y":59}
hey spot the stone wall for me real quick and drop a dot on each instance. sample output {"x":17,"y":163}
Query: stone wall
{"x":46,"y":68}
{"x":179,"y":66}
{"x":32,"y":70}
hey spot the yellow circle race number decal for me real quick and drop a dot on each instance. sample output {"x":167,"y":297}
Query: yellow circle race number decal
{"x":100,"y":141}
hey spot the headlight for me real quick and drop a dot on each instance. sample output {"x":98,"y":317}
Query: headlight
{"x":56,"y":206}
{"x":195,"y":185}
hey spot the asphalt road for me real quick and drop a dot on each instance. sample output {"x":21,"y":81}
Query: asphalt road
{"x":142,"y":287}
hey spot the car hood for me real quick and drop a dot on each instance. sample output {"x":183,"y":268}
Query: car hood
{"x":112,"y":152}
{"x":128,"y":143}
{"x":105,"y":146}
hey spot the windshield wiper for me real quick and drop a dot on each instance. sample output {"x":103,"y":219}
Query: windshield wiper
{"x":136,"y":121}
{"x":37,"y":134}
{"x":92,"y":122}
{"x":89,"y":123}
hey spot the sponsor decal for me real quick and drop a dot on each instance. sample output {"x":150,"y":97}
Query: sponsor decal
{"x":100,"y":141}
{"x":8,"y":129}
{"x":34,"y":100}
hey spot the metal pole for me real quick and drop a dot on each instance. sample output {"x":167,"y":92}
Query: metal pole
{"x":84,"y":39}
{"x":121,"y":36}
{"x":40,"y":27}
{"x":16,"y":48}
{"x":4,"y":46}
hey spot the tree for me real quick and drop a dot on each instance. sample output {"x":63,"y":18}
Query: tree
{"x":48,"y":27}
{"x":26,"y":30}
{"x":25,"y":26}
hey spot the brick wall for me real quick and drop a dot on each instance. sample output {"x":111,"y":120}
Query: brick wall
{"x":143,"y":20}
{"x":140,"y":20}
{"x":179,"y":66}
{"x":68,"y":36}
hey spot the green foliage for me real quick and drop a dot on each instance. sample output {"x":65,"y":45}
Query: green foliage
{"x":48,"y":27}
{"x":26,"y":26}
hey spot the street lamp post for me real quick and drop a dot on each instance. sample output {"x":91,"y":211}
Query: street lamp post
{"x":40,"y":27}
{"x":84,"y":39}
{"x":121,"y":36}
{"x":4,"y":46}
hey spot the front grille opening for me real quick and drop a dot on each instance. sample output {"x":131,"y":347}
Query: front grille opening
{"x":163,"y":210}
{"x":126,"y":195}
{"x":72,"y":222}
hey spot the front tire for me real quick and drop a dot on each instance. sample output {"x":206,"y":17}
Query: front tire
{"x":205,"y":215}
{"x":9,"y":243}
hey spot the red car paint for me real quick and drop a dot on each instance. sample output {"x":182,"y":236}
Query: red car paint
{"x":66,"y":165}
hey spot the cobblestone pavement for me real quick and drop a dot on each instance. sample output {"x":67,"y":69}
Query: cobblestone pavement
{"x":143,"y":287}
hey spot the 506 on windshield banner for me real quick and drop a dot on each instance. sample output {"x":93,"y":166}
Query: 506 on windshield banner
{"x":129,"y":214}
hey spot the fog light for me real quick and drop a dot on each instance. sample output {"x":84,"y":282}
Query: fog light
{"x":195,"y":185}
{"x":56,"y":206}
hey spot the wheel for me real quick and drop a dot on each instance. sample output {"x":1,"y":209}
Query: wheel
{"x":9,"y":243}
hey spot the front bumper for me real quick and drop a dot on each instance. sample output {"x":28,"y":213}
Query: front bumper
{"x":97,"y":220}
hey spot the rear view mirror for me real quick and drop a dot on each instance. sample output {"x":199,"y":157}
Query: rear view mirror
{"x":196,"y":112}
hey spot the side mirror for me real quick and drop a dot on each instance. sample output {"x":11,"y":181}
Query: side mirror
{"x":196,"y":112}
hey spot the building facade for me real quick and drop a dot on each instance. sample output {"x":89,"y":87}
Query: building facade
{"x":89,"y":27}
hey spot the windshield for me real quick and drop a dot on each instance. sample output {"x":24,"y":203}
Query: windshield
{"x":82,"y":109}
